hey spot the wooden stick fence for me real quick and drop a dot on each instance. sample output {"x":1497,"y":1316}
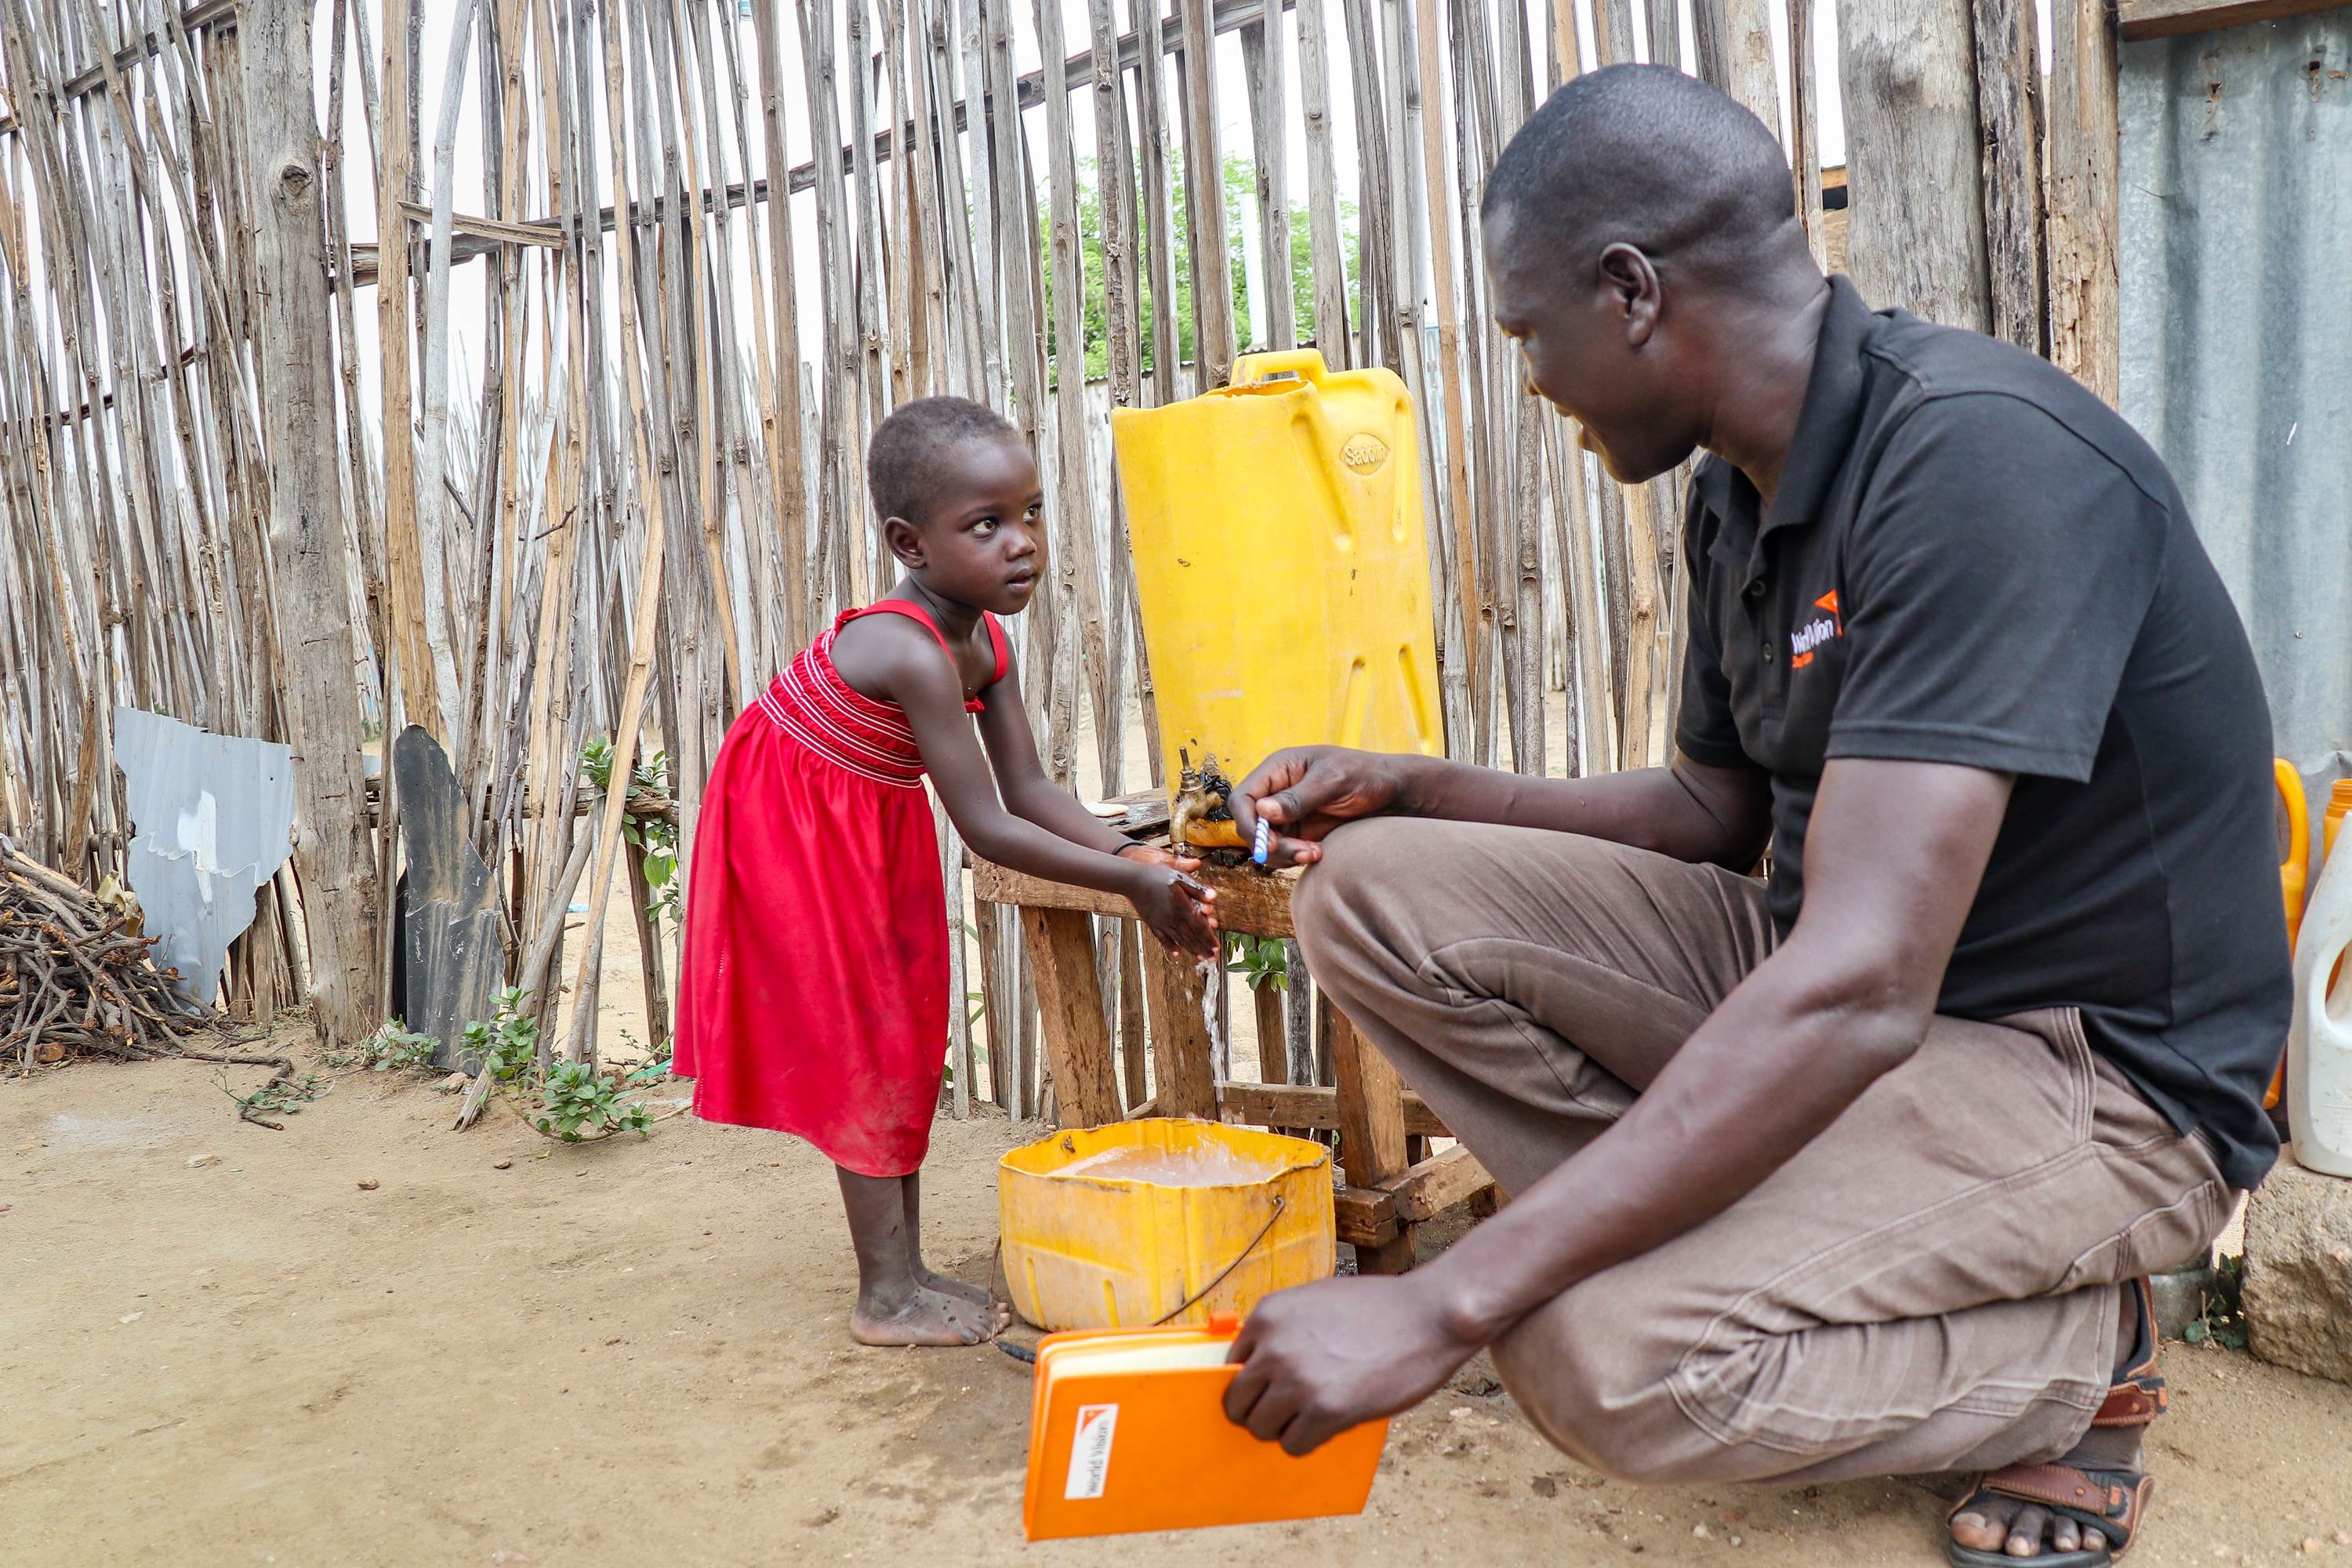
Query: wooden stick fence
{"x":605,"y":486}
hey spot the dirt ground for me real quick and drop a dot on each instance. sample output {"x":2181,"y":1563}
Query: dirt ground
{"x":634,"y":1353}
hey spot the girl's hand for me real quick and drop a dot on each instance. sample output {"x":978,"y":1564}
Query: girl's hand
{"x":1152,"y":855}
{"x":1180,"y":910}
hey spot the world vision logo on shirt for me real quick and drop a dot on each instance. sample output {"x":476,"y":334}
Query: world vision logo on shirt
{"x":1815,"y":632}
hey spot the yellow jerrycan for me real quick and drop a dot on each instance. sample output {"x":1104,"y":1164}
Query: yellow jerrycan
{"x":1282,"y":572}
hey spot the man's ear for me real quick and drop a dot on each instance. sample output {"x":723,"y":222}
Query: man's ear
{"x":1632,"y":283}
{"x":906,"y":542}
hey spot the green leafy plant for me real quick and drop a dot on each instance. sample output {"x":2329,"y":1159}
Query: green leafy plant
{"x":394,"y":1048}
{"x":573,"y":1101}
{"x":508,"y":1043}
{"x":579,"y":1104}
{"x":655,"y":835}
{"x":2223,"y":1320}
{"x":1263,"y":961}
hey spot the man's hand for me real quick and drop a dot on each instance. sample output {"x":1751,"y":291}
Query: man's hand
{"x":1319,"y":1358}
{"x":1304,"y":791}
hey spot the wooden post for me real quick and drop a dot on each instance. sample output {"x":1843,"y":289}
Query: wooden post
{"x":1069,"y":998}
{"x":1322,"y":188}
{"x":997,"y":1008}
{"x":2086,"y":302}
{"x":1130,"y":1013}
{"x":650,"y":949}
{"x":333,"y":856}
{"x":1158,"y":225}
{"x":1185,"y":1082}
{"x":404,"y":563}
{"x":1371,"y":1133}
{"x":2008,"y":107}
{"x":1273,"y":1047}
{"x":785,"y":437}
{"x":1076,"y":561}
{"x":1205,"y":190}
{"x":1735,"y":53}
{"x":1804,"y":129}
{"x":1262,"y":62}
{"x":1914,"y":164}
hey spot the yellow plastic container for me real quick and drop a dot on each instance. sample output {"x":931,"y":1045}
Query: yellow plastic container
{"x":1281,"y":565}
{"x":1117,"y":1226}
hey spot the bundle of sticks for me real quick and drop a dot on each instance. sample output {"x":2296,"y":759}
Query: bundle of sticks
{"x":76,"y":981}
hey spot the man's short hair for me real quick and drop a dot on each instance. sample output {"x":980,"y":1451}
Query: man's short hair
{"x":1647,"y":156}
{"x":902,"y":460}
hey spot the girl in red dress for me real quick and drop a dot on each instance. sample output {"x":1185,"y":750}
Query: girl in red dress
{"x":813,"y":998}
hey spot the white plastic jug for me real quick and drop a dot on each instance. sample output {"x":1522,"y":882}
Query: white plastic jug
{"x":2319,"y":1043}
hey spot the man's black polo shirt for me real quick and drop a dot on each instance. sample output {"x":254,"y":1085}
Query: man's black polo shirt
{"x":1972,"y":560}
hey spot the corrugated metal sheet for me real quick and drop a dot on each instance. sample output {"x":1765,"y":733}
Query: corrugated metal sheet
{"x":214,"y":815}
{"x":2236,"y":198}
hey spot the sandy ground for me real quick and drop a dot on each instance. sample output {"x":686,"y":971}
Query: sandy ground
{"x":633,"y":1354}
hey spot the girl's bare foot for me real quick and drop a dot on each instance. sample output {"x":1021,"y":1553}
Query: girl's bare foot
{"x":977,"y":1295}
{"x":921,"y":1317}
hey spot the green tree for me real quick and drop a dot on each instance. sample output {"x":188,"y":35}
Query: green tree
{"x":1241,"y":189}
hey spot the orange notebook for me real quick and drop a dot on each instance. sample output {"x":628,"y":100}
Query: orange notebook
{"x":1128,"y":1432}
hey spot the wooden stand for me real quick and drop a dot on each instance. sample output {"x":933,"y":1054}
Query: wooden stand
{"x":1386,"y":1196}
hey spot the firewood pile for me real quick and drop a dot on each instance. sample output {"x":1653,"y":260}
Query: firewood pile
{"x":77,"y":982}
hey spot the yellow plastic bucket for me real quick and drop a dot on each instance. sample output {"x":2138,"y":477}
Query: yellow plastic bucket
{"x":1281,"y":566}
{"x":1117,"y":1226}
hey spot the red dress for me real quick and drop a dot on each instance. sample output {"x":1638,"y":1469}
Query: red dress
{"x":813,"y":987}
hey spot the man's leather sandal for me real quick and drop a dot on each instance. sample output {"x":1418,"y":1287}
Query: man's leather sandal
{"x":2110,"y":1501}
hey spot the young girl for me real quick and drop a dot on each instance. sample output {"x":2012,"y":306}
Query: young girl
{"x":815,"y":990}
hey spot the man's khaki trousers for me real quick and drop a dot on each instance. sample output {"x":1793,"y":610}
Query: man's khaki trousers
{"x":1927,"y":1285}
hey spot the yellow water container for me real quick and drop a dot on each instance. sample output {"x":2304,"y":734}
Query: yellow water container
{"x":1281,"y":566}
{"x":1118,"y":1227}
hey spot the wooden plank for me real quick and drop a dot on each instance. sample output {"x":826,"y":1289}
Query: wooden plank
{"x":1376,"y":251}
{"x":1438,"y":1183}
{"x":996,"y":1007}
{"x":1378,"y":1218}
{"x":1159,"y":221}
{"x":1204,"y":194}
{"x":1069,"y":1001}
{"x":1075,"y":563}
{"x":1322,"y":188}
{"x":331,"y":848}
{"x":2009,"y":113}
{"x":1735,"y":53}
{"x":1309,"y":1105}
{"x":2169,"y":19}
{"x":1467,"y":566}
{"x":1665,"y":32}
{"x":412,"y":658}
{"x":1253,"y":902}
{"x":1187,"y":1082}
{"x":1262,"y":65}
{"x":1371,"y":1133}
{"x":1804,"y":131}
{"x":1130,"y":1013}
{"x":1917,"y":228}
{"x":1273,"y":1050}
{"x":2084,"y":301}
{"x":1365,"y":1218}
